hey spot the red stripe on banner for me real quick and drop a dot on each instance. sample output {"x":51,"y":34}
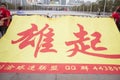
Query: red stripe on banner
{"x":60,"y":68}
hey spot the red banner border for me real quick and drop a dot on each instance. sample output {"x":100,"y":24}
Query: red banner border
{"x":59,"y":68}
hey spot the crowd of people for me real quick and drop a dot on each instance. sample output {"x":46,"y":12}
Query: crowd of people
{"x":5,"y":17}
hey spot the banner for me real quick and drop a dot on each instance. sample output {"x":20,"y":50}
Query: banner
{"x":66,"y":44}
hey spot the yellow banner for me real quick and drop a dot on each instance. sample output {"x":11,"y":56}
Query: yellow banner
{"x":66,"y":39}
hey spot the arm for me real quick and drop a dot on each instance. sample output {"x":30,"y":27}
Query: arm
{"x":7,"y":18}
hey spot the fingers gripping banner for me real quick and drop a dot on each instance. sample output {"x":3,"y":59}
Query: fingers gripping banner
{"x":61,"y":45}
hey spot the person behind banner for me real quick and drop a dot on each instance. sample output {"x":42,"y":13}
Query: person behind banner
{"x":4,"y":18}
{"x":20,"y":11}
{"x":116,"y":16}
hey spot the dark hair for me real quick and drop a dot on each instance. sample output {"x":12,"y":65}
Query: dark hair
{"x":4,"y":4}
{"x":19,"y":7}
{"x":118,"y":9}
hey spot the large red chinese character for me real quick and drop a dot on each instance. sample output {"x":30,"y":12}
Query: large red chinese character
{"x":81,"y":35}
{"x":29,"y":36}
{"x":81,"y":46}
